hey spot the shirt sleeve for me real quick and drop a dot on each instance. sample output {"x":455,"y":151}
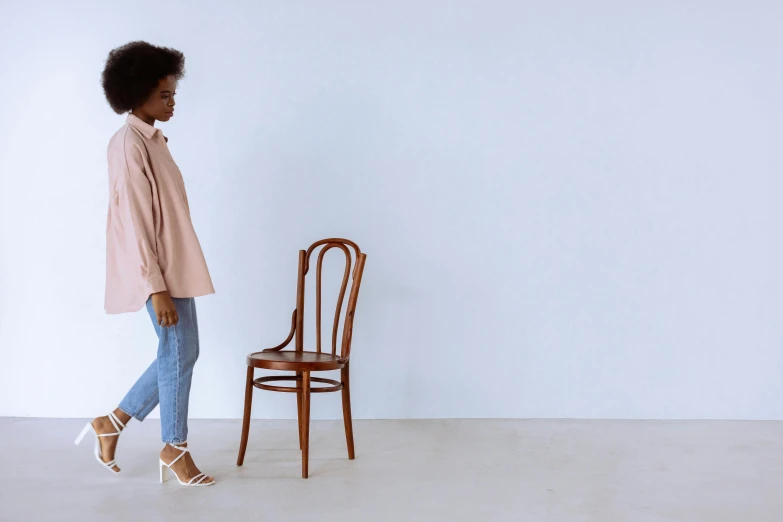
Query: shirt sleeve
{"x":134,"y":197}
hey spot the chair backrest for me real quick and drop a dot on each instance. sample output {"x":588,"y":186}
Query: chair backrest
{"x":354,"y":259}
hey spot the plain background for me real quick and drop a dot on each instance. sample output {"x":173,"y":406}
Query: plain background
{"x":571,"y":209}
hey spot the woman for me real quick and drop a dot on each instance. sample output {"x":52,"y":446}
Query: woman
{"x":153,"y":255}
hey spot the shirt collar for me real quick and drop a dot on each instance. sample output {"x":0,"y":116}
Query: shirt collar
{"x":145,"y":128}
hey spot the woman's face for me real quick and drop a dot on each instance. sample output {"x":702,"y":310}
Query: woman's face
{"x":160,"y":105}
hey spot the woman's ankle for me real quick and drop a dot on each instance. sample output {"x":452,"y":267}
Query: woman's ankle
{"x":124,"y":417}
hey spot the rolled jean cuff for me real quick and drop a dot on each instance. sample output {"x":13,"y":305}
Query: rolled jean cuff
{"x":143,"y":410}
{"x":136,"y":416}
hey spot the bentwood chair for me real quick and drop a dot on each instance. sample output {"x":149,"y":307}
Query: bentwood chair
{"x":302,"y":363}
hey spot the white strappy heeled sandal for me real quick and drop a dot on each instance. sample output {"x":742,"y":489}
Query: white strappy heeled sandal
{"x":198,"y":480}
{"x":116,"y":422}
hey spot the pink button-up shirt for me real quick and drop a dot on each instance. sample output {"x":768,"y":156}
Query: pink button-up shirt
{"x":151,"y":245}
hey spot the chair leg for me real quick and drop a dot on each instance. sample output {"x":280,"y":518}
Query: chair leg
{"x":305,"y":422}
{"x":299,"y":405}
{"x":347,"y":412}
{"x":246,"y":418}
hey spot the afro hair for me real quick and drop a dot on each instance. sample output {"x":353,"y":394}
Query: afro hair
{"x":134,"y":70}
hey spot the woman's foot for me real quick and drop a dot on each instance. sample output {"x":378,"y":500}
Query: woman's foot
{"x":185,"y":468}
{"x":104,"y":425}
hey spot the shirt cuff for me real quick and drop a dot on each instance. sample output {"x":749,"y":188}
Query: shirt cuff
{"x":154,"y":283}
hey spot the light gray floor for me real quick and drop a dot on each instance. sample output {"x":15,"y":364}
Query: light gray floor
{"x":450,"y":470}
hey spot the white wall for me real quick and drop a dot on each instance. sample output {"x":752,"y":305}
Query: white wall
{"x":571,"y":209}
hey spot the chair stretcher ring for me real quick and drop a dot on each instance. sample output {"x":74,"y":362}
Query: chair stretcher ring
{"x":260,"y":383}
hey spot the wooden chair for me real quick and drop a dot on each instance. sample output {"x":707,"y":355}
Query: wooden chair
{"x":302,"y":362}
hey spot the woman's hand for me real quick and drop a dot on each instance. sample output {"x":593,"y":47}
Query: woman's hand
{"x":165,"y":309}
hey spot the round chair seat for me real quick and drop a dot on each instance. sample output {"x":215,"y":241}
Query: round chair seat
{"x":295,"y":361}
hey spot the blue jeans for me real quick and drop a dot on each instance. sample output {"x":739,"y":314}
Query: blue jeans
{"x":167,"y":380}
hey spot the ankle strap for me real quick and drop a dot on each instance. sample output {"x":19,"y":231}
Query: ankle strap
{"x":180,"y":448}
{"x":116,"y":422}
